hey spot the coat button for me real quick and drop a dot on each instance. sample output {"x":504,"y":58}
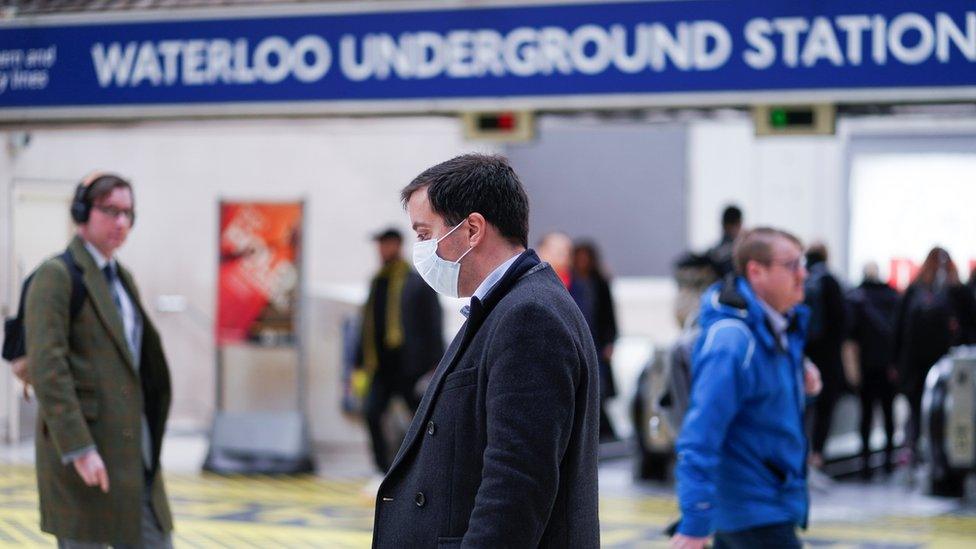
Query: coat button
{"x":127,"y":433}
{"x":421,"y":500}
{"x":431,"y":428}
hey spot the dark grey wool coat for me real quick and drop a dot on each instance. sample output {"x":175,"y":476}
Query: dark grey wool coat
{"x":503,"y":449}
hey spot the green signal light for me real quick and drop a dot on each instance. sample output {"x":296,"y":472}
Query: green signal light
{"x":778,"y":118}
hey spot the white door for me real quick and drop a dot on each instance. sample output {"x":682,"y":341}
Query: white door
{"x":41,"y":228}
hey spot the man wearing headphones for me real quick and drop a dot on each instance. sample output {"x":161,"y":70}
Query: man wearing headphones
{"x":102,"y":385}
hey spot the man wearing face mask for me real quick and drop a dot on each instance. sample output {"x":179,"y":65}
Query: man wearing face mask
{"x":502,"y":451}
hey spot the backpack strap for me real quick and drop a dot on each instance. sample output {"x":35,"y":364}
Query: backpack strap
{"x":78,"y":292}
{"x":14,"y":341}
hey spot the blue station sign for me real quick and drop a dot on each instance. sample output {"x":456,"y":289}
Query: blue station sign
{"x":628,"y":53}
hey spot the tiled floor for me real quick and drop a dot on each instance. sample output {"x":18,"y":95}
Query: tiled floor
{"x":335,"y":508}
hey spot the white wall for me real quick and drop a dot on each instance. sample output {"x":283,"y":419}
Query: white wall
{"x":797,"y":183}
{"x":794,"y":183}
{"x":349,"y":171}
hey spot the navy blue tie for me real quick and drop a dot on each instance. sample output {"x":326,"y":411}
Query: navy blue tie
{"x":111,"y":276}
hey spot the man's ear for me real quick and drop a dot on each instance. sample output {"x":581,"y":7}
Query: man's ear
{"x":753,"y":269}
{"x":477,"y":227}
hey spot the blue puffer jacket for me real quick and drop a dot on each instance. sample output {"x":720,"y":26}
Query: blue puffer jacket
{"x":742,"y":448}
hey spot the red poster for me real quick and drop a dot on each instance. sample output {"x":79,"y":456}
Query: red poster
{"x":259,"y":277}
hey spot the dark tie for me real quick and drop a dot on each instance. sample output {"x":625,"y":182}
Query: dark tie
{"x":110,"y":277}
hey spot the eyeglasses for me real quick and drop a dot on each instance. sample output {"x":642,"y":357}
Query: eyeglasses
{"x":114,"y":212}
{"x":792,"y":265}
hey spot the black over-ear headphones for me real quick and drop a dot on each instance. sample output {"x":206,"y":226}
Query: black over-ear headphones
{"x":81,"y":206}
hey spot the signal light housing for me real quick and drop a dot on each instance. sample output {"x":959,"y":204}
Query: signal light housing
{"x":794,"y":119}
{"x":507,"y":126}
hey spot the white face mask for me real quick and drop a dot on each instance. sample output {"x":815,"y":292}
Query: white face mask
{"x":439,"y":274}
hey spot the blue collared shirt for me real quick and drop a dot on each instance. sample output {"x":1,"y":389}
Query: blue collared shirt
{"x":489,"y":282}
{"x":779,"y":323}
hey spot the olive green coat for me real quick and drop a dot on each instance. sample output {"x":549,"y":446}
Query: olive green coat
{"x":89,"y":393}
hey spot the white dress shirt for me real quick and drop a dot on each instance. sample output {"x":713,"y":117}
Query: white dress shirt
{"x":130,"y":320}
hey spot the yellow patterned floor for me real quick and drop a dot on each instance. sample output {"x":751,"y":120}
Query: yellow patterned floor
{"x":212,"y":511}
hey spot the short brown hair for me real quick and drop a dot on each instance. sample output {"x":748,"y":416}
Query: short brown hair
{"x":757,"y":245}
{"x":103,"y":185}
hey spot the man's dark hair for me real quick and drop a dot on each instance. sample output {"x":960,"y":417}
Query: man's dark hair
{"x":816,"y":253}
{"x":731,"y":216}
{"x":103,"y":185}
{"x":391,"y":233}
{"x":757,"y":245}
{"x":480,"y":183}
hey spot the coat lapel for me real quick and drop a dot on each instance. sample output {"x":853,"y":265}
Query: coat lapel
{"x":476,"y":317}
{"x":101,"y":297}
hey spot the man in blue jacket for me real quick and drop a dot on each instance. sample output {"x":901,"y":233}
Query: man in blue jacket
{"x":741,"y":467}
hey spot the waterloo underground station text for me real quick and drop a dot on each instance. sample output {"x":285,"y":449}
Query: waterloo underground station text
{"x":766,"y":43}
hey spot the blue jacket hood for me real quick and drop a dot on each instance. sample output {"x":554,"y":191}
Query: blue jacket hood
{"x":734,"y":297}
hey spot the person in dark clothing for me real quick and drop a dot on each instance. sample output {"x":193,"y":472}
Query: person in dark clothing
{"x":503,"y":449}
{"x":590,"y":289}
{"x":936,"y":313}
{"x":972,"y":282}
{"x":872,"y":306}
{"x":401,"y":338}
{"x":720,"y":255}
{"x":827,"y":330}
